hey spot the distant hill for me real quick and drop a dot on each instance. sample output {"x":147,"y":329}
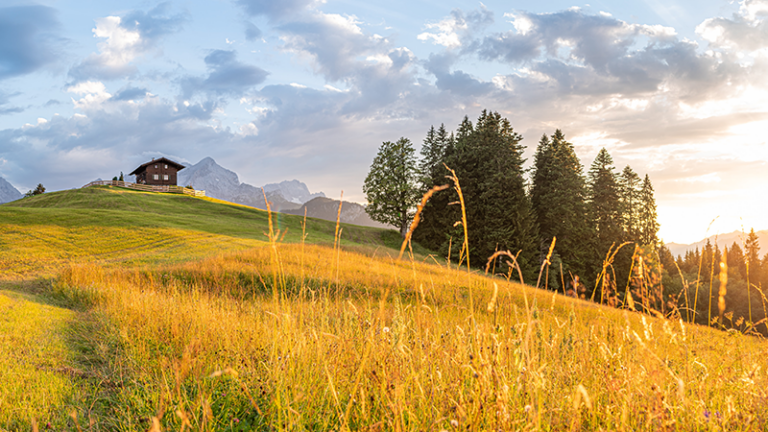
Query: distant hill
{"x":105,"y":224}
{"x":221,"y":183}
{"x":8,"y":193}
{"x":326,"y":208}
{"x":722,"y":240}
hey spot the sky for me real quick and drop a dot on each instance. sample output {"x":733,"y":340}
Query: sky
{"x":308,"y":90}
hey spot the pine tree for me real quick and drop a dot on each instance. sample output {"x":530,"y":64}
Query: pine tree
{"x":487,"y":159}
{"x":390,"y":186}
{"x":649,"y":225}
{"x":558,"y":195}
{"x":629,"y":194}
{"x":507,"y":220}
{"x":752,"y":255}
{"x":431,"y":155}
{"x":604,"y":206}
{"x":737,"y":261}
{"x":437,"y":215}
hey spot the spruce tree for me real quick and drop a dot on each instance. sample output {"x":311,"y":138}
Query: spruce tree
{"x":431,"y":155}
{"x":507,"y":219}
{"x":558,"y":195}
{"x":437,"y":215}
{"x":604,"y":207}
{"x":736,"y":261}
{"x":752,"y":255}
{"x":488,"y":162}
{"x":649,"y":225}
{"x":629,"y":194}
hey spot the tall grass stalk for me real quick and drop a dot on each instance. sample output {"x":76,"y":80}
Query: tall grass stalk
{"x":711,"y":280}
{"x":698,"y":275}
{"x":417,"y":216}
{"x":337,"y":241}
{"x":607,"y":263}
{"x":546,"y":264}
{"x":278,"y":282}
{"x":723,"y":284}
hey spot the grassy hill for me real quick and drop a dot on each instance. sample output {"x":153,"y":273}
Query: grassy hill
{"x":116,"y":225}
{"x":220,"y":330}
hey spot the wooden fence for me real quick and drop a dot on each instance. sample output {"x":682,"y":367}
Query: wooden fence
{"x":148,"y":188}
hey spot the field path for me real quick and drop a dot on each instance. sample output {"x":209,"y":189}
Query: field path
{"x":37,"y":361}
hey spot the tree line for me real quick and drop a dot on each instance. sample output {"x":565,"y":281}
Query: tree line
{"x":698,"y":278}
{"x":508,"y":208}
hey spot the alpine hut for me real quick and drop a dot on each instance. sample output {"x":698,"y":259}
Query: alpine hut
{"x":158,"y":172}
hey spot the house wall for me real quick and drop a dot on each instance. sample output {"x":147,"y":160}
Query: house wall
{"x":160,"y":169}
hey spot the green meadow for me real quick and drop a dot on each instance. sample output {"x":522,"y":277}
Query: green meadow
{"x":128,"y":311}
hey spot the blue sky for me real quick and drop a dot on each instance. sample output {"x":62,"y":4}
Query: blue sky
{"x":277,"y":90}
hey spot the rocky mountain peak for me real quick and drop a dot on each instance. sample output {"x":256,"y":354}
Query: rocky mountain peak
{"x":8,"y":193}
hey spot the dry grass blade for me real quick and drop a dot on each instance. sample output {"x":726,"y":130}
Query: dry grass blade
{"x":723,"y":283}
{"x":546,"y":262}
{"x":338,"y":221}
{"x":417,"y":216}
{"x":457,"y":187}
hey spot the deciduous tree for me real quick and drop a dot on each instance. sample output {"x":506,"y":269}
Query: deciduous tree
{"x":391,"y":185}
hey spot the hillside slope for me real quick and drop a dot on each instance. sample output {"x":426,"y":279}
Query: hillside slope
{"x":117,"y":225}
{"x":164,"y":312}
{"x":327,"y":209}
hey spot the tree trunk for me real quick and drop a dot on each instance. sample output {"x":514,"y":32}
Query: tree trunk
{"x":403,"y":229}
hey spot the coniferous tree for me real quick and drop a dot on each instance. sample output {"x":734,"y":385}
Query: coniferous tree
{"x":487,"y":159}
{"x":508,"y":222}
{"x":605,"y":208}
{"x":752,"y":255}
{"x":736,"y":261}
{"x":649,"y":225}
{"x":629,"y":194}
{"x":391,"y":185}
{"x":436,"y":215}
{"x":558,"y":195}
{"x":431,"y":155}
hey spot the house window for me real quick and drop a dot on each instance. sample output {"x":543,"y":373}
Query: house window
{"x":165,"y":176}
{"x":166,"y":167}
{"x":156,"y":177}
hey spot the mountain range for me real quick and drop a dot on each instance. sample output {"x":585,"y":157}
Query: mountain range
{"x":8,"y":193}
{"x":326,"y":208}
{"x":221,"y":183}
{"x":290,"y":196}
{"x":722,"y":240}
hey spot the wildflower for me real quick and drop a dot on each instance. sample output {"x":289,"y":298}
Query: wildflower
{"x":707,"y":413}
{"x":385,"y":330}
{"x":237,"y":420}
{"x":454,"y":423}
{"x":528,"y":408}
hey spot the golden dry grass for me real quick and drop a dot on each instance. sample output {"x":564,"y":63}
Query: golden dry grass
{"x":393,"y":345}
{"x":304,"y":337}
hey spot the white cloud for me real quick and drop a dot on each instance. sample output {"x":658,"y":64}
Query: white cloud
{"x":446,"y":32}
{"x":121,"y":45}
{"x":95,"y":94}
{"x":752,"y":9}
{"x":450,"y":31}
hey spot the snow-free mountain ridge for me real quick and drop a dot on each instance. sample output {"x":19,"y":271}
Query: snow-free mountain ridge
{"x":8,"y":193}
{"x":722,"y":241}
{"x":290,"y":196}
{"x":221,"y":183}
{"x":326,"y":208}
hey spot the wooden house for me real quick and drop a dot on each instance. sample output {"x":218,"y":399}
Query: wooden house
{"x":158,"y":172}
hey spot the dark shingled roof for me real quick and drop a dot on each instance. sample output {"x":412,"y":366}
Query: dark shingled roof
{"x":178,"y":166}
